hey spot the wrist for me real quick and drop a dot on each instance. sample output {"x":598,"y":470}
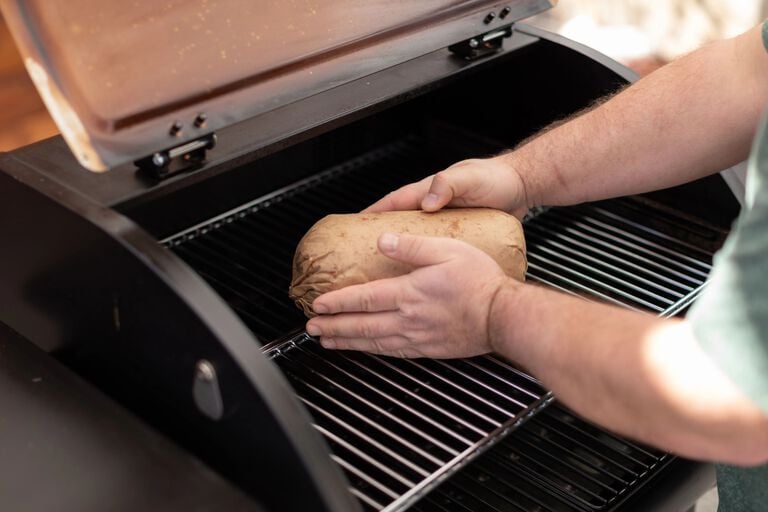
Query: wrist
{"x":501,"y":315}
{"x":518,"y":175}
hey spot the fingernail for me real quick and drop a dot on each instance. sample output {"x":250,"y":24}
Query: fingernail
{"x":388,"y":242}
{"x":314,"y":330}
{"x":430,"y":200}
{"x":320,"y":309}
{"x":328,"y":343}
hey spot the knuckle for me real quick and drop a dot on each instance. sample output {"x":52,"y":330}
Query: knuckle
{"x":406,"y":312}
{"x":369,"y":330}
{"x":417,"y":337}
{"x":414,"y":247}
{"x":378,"y":346}
{"x":367,"y":300}
{"x":442,"y":178}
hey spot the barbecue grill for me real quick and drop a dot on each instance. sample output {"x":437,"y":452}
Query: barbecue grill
{"x":163,"y":282}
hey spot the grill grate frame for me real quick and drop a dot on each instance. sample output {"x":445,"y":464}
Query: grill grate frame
{"x":622,"y":251}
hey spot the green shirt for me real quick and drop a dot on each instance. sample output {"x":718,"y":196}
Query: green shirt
{"x":730,"y":319}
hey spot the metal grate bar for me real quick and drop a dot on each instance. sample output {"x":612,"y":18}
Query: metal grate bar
{"x":588,"y":453}
{"x":497,"y":378}
{"x":635,"y":454}
{"x":635,"y":243}
{"x":614,"y":244}
{"x":584,"y":488}
{"x":365,"y":500}
{"x":385,"y":391}
{"x":364,"y":456}
{"x":581,"y":277}
{"x":479,"y":382}
{"x":433,"y":389}
{"x":428,"y":403}
{"x":535,"y":271}
{"x":608,"y":276}
{"x":702,"y":255}
{"x":497,"y":362}
{"x":475,"y":397}
{"x":364,"y":477}
{"x":577,"y":462}
{"x":603,"y":261}
{"x":362,"y":436}
{"x":389,"y":434}
{"x":602,"y":256}
{"x":406,"y":415}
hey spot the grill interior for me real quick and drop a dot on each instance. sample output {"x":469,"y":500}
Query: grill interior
{"x":580,"y":468}
{"x":398,"y":427}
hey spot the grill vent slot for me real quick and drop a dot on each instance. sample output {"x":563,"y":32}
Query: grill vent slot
{"x":398,"y":427}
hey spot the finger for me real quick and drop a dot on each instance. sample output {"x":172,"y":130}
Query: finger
{"x":449,"y":187}
{"x":405,"y":198}
{"x":356,"y":325}
{"x":420,"y":250}
{"x":385,"y":345}
{"x":381,"y":295}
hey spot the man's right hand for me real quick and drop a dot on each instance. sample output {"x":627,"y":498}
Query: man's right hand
{"x":488,"y":182}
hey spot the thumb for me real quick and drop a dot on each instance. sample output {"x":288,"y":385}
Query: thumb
{"x":440,"y":192}
{"x":450,"y":186}
{"x":419,"y":251}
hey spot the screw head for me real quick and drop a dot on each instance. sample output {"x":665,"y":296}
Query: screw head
{"x":200,"y":120}
{"x":505,"y":12}
{"x":489,"y":18}
{"x":175,"y":128}
{"x":159,"y":160}
{"x":205,"y":370}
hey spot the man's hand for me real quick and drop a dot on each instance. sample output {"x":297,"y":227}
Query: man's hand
{"x":490,"y":183}
{"x":439,"y":310}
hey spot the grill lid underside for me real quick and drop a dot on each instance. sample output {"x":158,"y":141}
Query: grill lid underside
{"x":123,"y":81}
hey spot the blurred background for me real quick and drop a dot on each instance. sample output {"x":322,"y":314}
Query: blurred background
{"x":639,"y":33}
{"x":645,"y":35}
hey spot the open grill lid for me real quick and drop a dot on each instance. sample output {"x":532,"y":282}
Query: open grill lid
{"x":124,"y":80}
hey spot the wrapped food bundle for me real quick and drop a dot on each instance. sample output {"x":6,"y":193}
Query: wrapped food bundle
{"x":341,"y":250}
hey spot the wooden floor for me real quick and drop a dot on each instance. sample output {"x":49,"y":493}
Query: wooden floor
{"x":23,"y":117}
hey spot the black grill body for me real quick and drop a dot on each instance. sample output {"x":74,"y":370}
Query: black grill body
{"x":135,"y":283}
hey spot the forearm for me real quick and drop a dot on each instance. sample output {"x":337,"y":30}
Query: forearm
{"x":689,"y":119}
{"x":636,"y":374}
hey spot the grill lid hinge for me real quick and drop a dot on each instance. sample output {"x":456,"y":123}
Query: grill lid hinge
{"x":186,"y":157}
{"x":481,"y":45}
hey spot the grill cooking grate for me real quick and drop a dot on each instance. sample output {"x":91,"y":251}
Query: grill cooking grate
{"x":582,"y":467}
{"x":398,"y":427}
{"x":600,"y":251}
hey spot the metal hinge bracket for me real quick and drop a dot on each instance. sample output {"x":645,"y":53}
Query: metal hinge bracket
{"x":482,"y":45}
{"x":186,"y":157}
